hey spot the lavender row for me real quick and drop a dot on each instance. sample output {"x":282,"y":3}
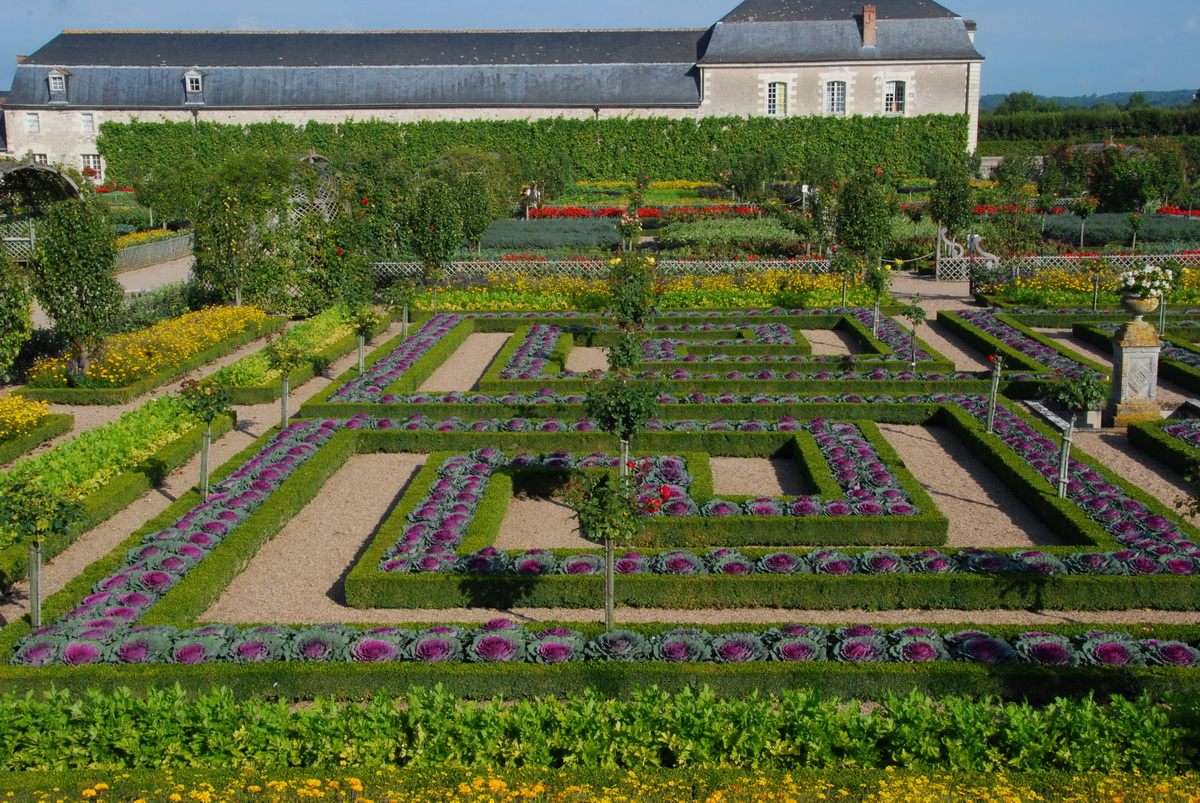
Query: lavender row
{"x":502,"y":641}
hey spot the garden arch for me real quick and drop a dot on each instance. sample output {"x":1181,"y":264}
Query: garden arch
{"x":26,"y":191}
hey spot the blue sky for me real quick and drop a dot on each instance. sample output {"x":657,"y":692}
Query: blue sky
{"x":1050,"y":47}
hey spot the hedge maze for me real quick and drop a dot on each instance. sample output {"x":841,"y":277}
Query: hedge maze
{"x":862,"y":534}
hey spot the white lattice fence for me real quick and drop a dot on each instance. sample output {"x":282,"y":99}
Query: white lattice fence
{"x":598,"y":268}
{"x":17,"y":237}
{"x":959,"y":269}
{"x":140,"y":256}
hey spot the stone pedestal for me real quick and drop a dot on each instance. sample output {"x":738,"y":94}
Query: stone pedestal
{"x":1135,"y":374}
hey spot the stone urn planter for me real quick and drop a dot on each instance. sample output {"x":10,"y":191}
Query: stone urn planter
{"x":1137,"y":306}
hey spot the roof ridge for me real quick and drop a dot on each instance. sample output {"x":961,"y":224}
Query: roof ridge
{"x":347,"y":31}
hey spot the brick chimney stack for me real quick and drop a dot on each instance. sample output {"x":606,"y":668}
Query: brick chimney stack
{"x":21,"y":59}
{"x":868,"y":26}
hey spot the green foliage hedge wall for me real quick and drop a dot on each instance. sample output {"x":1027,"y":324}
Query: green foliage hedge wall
{"x":600,"y":149}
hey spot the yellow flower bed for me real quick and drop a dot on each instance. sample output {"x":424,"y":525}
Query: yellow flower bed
{"x":125,"y":359}
{"x":20,"y":415}
{"x":149,"y":236}
{"x":553,"y":786}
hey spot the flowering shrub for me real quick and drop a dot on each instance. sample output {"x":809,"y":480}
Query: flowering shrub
{"x":127,"y":358}
{"x":20,"y":415}
{"x":1149,"y":281}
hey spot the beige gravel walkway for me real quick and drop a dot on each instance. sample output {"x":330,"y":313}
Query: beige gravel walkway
{"x":463,"y":369}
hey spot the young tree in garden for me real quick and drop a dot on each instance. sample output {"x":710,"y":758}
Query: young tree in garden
{"x":238,"y":211}
{"x":1136,"y":224}
{"x":31,"y":513}
{"x":205,"y":402}
{"x":1084,"y":208}
{"x":364,"y":319}
{"x":284,"y":357}
{"x":864,"y":217}
{"x":878,"y":279}
{"x":496,"y":175}
{"x":950,"y":200}
{"x":621,"y":405}
{"x":16,"y":312}
{"x":71,"y":275}
{"x":433,"y":223}
{"x":631,"y":285}
{"x":172,"y":189}
{"x":916,"y":316}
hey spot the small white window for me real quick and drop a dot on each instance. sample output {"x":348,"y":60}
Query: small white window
{"x":91,"y":165}
{"x":893,"y":97}
{"x":777,"y":99}
{"x":41,"y":159}
{"x":87,"y":123}
{"x":33,"y":123}
{"x":194,"y":83}
{"x":58,"y":82}
{"x":835,"y":97}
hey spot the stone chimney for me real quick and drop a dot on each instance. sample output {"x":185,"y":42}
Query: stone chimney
{"x":21,"y":59}
{"x":868,"y":29}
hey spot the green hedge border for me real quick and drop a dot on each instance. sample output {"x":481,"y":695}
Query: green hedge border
{"x":116,"y":494}
{"x":84,"y":396}
{"x":50,"y":427}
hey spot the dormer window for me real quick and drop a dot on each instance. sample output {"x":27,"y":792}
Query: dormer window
{"x":56,"y":82}
{"x":193,"y":86}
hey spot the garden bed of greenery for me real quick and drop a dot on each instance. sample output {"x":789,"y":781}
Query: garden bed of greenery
{"x":322,"y":339}
{"x":106,"y":469}
{"x":48,"y":427}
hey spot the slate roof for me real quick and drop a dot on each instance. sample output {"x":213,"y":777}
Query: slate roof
{"x":839,"y":41}
{"x":143,"y":70}
{"x":366,"y":48}
{"x":818,"y":10}
{"x":430,"y":69}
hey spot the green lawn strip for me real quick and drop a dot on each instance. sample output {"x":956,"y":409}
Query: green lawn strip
{"x":116,"y":494}
{"x":142,"y":386}
{"x":267,"y":392}
{"x":50,"y":427}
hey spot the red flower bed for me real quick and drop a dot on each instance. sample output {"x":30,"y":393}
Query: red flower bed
{"x":1178,"y":212}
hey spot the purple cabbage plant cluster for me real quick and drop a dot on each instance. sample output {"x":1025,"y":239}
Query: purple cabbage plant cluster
{"x":503,"y":641}
{"x":530,"y":359}
{"x":767,"y":334}
{"x":164,"y":557}
{"x":1187,"y":430}
{"x":1152,"y":543}
{"x":438,"y":524}
{"x":890,"y":333}
{"x":987,"y":322}
{"x":387,"y":370}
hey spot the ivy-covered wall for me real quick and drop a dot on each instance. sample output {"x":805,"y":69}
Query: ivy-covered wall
{"x":600,"y":149}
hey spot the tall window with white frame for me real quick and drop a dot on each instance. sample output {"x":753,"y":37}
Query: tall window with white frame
{"x":894,"y":93}
{"x":87,"y":123}
{"x":777,"y":99}
{"x":33,"y":123}
{"x":835,"y":97}
{"x":91,"y":165}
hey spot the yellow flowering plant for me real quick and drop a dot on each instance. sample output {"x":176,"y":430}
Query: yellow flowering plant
{"x":20,"y":415}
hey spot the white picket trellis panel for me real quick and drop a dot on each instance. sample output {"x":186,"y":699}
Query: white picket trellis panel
{"x":146,"y":254}
{"x":17,"y":237}
{"x":958,"y":269}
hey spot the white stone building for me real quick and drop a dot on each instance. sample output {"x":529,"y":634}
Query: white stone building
{"x":775,"y":58}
